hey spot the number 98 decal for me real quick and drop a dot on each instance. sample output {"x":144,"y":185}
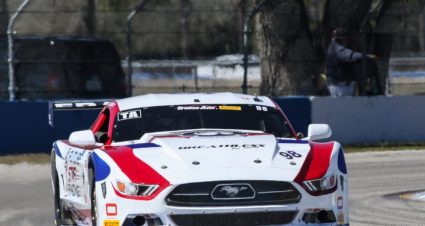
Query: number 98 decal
{"x":290,"y":154}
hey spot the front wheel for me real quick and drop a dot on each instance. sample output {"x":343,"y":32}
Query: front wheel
{"x":58,"y":202}
{"x":93,"y":197}
{"x":62,"y":216}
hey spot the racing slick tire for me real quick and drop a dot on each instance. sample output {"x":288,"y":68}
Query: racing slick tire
{"x":62,"y":216}
{"x":93,"y":197}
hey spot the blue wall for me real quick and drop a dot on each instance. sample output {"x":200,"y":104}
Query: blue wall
{"x":298,"y":111}
{"x":25,"y":128}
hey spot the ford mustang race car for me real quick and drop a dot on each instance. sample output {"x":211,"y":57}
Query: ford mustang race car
{"x":197,"y":159}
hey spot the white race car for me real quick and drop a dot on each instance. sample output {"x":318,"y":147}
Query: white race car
{"x":197,"y":159}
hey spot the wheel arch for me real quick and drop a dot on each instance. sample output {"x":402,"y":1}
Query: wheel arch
{"x":101,"y":169}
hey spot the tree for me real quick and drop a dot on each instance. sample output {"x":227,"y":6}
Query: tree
{"x":387,"y":23}
{"x":89,"y":17}
{"x":4,"y":20}
{"x":285,"y":47}
{"x":4,"y":17}
{"x":185,"y":11}
{"x":241,"y":7}
{"x":291,"y":60}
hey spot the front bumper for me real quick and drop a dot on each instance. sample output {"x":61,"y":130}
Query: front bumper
{"x":330,"y":209}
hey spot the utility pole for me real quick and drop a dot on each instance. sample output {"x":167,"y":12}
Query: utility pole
{"x":11,"y":57}
{"x":130,"y":18}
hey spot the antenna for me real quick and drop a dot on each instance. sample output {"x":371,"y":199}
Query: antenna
{"x":256,"y":99}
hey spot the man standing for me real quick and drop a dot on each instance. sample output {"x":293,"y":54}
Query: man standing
{"x":339,"y":60}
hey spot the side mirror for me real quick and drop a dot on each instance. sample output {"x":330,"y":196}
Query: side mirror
{"x":319,"y":131}
{"x":82,"y":138}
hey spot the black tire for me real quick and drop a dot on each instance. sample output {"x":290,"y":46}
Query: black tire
{"x":93,"y":197}
{"x":60,"y":211}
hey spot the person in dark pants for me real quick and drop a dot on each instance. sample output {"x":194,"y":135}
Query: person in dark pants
{"x":339,"y":60}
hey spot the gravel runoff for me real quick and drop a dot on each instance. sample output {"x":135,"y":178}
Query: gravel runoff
{"x":376,"y":181}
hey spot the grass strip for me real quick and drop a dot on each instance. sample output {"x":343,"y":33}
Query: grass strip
{"x":383,"y":147}
{"x":29,"y":158}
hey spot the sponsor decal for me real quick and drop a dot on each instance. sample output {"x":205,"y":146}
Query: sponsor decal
{"x":74,"y":189}
{"x":129,"y":115}
{"x":230,"y":108}
{"x":340,"y":217}
{"x":81,"y":105}
{"x":213,"y":133}
{"x":74,"y":156}
{"x":340,"y":202}
{"x":233,"y":191}
{"x":197,"y":107}
{"x":73,"y":174}
{"x":290,"y":154}
{"x":111,"y":209}
{"x":111,"y":223}
{"x":231,"y":146}
{"x":75,"y":177}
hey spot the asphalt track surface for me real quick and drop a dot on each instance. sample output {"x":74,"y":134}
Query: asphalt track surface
{"x":376,"y":181}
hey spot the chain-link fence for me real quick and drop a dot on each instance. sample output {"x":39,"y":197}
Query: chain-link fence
{"x":197,"y":46}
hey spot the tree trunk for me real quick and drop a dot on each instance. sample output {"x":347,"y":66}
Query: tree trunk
{"x":242,"y":9}
{"x":186,"y":8}
{"x":4,"y":17}
{"x":4,"y":20}
{"x":288,"y":59}
{"x":349,"y":14}
{"x":89,"y":17}
{"x":388,"y":23}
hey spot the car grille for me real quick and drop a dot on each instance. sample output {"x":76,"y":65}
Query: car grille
{"x":250,"y":193}
{"x":235,"y":219}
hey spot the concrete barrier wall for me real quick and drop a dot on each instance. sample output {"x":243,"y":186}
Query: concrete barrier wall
{"x":298,"y":111}
{"x":372,"y":120}
{"x":24,"y":126}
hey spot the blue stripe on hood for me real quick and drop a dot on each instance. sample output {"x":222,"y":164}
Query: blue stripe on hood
{"x":102,"y":169}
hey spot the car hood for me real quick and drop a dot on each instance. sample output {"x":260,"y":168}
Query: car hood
{"x":223,"y":155}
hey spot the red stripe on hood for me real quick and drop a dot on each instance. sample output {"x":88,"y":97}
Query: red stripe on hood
{"x":136,"y":170}
{"x":316,"y":163}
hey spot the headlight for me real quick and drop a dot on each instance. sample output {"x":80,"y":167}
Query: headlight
{"x":131,"y":189}
{"x":321,"y":186}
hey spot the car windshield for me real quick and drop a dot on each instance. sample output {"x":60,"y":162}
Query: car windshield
{"x":132,"y":124}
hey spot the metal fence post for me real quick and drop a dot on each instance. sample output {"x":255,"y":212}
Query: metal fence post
{"x":11,"y":55}
{"x":130,"y":18}
{"x":246,"y":31}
